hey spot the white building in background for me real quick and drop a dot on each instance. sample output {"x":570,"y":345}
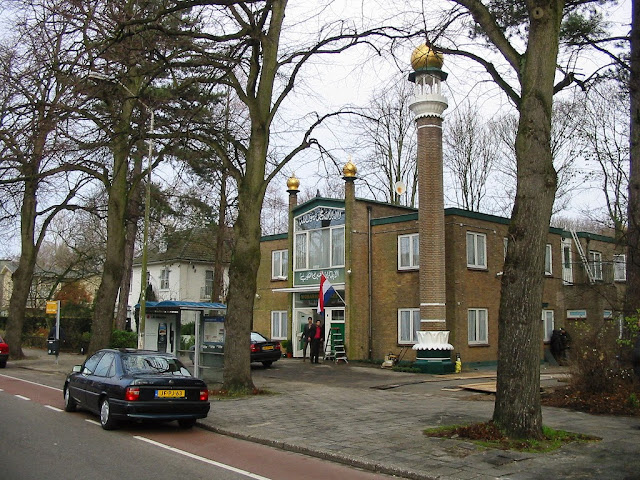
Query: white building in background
{"x":182,"y":269}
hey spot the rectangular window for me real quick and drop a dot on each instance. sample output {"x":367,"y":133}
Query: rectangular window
{"x":164,"y":279}
{"x":548,"y":260}
{"x":279,"y":264}
{"x":279,"y":324}
{"x":478,"y":326}
{"x":476,"y":250}
{"x":505,"y":245}
{"x":320,"y":248}
{"x":620,"y":268}
{"x":547,"y":324}
{"x":301,"y":251}
{"x":208,"y":284}
{"x":408,"y":325}
{"x":567,"y":265}
{"x":408,"y":252}
{"x":595,"y":260}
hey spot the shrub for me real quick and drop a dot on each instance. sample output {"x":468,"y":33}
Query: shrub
{"x":596,"y":358}
{"x":122,"y":339}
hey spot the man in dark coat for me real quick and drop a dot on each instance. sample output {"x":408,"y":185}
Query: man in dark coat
{"x":306,"y":339}
{"x":317,"y":337}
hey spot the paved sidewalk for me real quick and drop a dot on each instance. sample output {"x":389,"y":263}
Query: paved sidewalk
{"x":373,"y":418}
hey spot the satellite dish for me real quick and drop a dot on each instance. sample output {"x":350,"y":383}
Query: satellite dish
{"x":400,"y":187}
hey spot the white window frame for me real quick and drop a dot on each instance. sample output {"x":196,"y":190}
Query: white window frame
{"x":548,"y":324}
{"x":567,"y":265}
{"x":476,"y":254}
{"x":414,"y":259}
{"x":620,"y":274}
{"x":279,"y":325}
{"x":164,"y":279}
{"x":279,"y":264}
{"x":302,"y":249}
{"x":414,"y":316}
{"x":477,"y":316}
{"x":595,"y":263}
{"x":548,"y":260}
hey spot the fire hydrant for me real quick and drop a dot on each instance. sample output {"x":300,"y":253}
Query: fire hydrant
{"x":458,"y":363}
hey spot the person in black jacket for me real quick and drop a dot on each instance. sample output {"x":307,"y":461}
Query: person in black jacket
{"x":306,"y":339}
{"x":317,"y":337}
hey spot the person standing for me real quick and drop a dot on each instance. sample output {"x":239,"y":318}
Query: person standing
{"x":306,"y":339}
{"x":317,"y":337}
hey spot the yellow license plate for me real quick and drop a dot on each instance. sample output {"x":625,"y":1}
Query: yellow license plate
{"x":267,"y":347}
{"x":169,"y":393}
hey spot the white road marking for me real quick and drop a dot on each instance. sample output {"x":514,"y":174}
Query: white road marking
{"x":55,"y":409}
{"x":92,"y":421}
{"x":32,"y":383}
{"x":203,"y":459}
{"x":23,"y":397}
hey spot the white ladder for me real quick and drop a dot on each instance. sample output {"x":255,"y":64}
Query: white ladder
{"x":583,"y":257}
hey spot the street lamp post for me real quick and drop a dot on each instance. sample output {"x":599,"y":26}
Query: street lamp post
{"x":147,"y":200}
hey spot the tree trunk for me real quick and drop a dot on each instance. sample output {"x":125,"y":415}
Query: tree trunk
{"x":517,"y":408}
{"x":23,"y":276}
{"x":103,"y":314}
{"x":632,"y":303}
{"x":243,"y":273}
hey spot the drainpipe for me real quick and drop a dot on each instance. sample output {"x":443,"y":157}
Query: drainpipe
{"x":370,"y":262}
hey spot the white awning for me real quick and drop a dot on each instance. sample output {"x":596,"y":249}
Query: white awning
{"x":306,"y":288}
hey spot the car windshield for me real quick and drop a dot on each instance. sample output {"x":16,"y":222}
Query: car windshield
{"x":153,"y":364}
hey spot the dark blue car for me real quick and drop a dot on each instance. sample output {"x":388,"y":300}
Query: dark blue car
{"x":129,"y":384}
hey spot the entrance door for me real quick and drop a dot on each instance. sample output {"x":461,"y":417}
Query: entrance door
{"x":300,"y":318}
{"x":334,"y":318}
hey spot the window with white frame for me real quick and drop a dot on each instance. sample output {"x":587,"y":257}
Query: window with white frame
{"x":319,"y":239}
{"x":279,"y":325}
{"x":505,"y":245}
{"x":547,"y":324}
{"x":208,"y":284}
{"x":164,"y":279}
{"x":478,"y":319}
{"x":408,"y":252}
{"x":595,"y":259}
{"x":619,"y":268}
{"x":279,"y":264}
{"x":408,"y":325}
{"x":548,"y":260}
{"x":476,"y":250}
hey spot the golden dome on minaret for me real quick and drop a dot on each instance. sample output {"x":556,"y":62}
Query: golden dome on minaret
{"x":293,"y":183}
{"x":349,"y":170}
{"x":424,"y":57}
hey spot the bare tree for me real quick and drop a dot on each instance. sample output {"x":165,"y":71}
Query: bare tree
{"x":389,"y":143}
{"x":34,"y":99}
{"x":470,"y":150}
{"x":604,"y":134}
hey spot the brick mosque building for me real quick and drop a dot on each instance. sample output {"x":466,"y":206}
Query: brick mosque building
{"x":420,"y":283}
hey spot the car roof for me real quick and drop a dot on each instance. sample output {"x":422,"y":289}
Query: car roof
{"x":136,"y":351}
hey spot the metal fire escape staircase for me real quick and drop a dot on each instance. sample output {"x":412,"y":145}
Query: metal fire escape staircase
{"x":583,"y":257}
{"x":334,"y":349}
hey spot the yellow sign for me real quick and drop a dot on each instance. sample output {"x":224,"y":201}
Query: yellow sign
{"x":52,"y":307}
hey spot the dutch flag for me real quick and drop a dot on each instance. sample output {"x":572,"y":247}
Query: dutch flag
{"x":325,"y":293}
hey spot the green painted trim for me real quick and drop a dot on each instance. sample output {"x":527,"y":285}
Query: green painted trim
{"x":316,"y":202}
{"x":409,"y":217}
{"x":277,"y":236}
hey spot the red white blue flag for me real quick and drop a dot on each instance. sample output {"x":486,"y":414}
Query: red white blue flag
{"x":326,"y":292}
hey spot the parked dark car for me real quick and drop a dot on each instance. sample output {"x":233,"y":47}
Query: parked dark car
{"x":130,"y":384}
{"x":262,"y":349}
{"x":4,"y":353}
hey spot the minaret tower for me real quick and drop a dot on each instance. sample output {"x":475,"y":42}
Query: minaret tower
{"x":428,"y":104}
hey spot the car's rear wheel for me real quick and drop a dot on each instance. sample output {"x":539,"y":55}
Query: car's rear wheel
{"x":3,"y":363}
{"x":69,"y":403}
{"x":186,"y":422}
{"x":106,"y":417}
{"x":267,"y":363}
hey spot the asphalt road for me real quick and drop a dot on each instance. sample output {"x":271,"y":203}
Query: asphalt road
{"x":39,"y":440}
